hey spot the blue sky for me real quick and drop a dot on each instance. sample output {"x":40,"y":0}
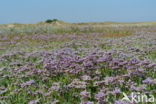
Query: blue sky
{"x":33,"y":11}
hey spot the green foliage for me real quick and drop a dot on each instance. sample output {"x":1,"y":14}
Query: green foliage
{"x":51,"y":21}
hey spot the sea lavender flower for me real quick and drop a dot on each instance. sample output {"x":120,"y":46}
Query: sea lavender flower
{"x":102,"y":60}
{"x":116,"y":91}
{"x":28,"y":83}
{"x":86,"y":78}
{"x":76,"y":83}
{"x":110,"y":80}
{"x":99,"y":83}
{"x":85,"y":94}
{"x":121,"y":64}
{"x":88,"y":64}
{"x":134,"y":61}
{"x":115,"y":67}
{"x":138,"y":88}
{"x":137,"y":72}
{"x":100,"y":97}
{"x":145,"y":62}
{"x":34,"y":102}
{"x":55,"y":86}
{"x":151,"y":65}
{"x":55,"y":102}
{"x":149,"y":81}
{"x":3,"y":90}
{"x":87,"y":102}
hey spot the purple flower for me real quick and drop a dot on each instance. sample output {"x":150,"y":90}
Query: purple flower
{"x":134,"y":61}
{"x":149,"y":81}
{"x":151,"y":65}
{"x":116,"y":91}
{"x":28,"y":83}
{"x":85,"y":94}
{"x":100,"y":96}
{"x":88,"y":64}
{"x":102,"y":59}
{"x":3,"y":90}
{"x":139,"y":88}
{"x":55,"y":87}
{"x":115,"y":67}
{"x":76,"y":83}
{"x":34,"y":101}
{"x":86,"y":78}
{"x":87,"y":102}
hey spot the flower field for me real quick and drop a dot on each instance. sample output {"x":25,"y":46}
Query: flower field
{"x":90,"y":63}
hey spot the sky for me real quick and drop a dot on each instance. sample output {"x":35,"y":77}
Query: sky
{"x":33,"y":11}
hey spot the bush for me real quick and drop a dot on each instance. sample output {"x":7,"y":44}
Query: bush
{"x":50,"y":21}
